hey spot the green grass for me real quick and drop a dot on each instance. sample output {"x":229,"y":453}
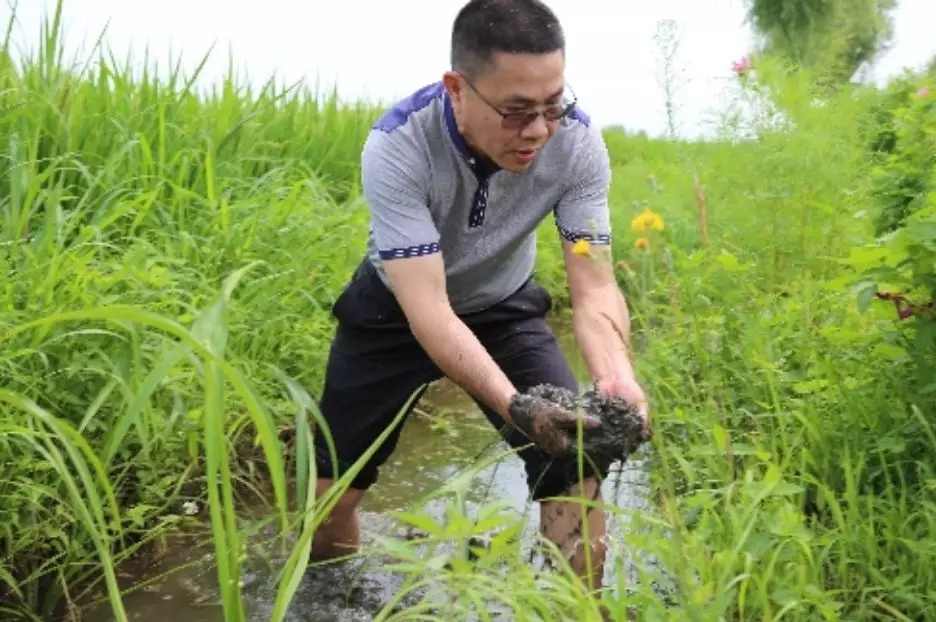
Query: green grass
{"x":167,"y":265}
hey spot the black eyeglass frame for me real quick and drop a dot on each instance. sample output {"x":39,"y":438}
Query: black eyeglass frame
{"x":518,"y":120}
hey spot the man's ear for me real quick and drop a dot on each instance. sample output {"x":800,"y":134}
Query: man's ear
{"x":453,"y":83}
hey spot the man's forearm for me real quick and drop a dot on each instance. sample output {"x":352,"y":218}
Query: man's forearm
{"x":461,"y":357}
{"x":601,"y":324}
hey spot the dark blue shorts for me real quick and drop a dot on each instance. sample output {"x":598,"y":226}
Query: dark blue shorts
{"x":375,"y":364}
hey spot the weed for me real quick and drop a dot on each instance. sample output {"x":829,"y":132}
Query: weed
{"x":168,"y":261}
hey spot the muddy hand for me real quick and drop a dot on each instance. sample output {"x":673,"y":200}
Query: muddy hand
{"x":628,"y":388}
{"x":549,"y":426}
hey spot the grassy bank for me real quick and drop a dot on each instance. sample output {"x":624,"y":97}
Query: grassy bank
{"x":168,"y":261}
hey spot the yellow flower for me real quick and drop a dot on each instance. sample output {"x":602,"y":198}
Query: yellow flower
{"x":581,"y":247}
{"x":647,"y":220}
{"x":642,"y":243}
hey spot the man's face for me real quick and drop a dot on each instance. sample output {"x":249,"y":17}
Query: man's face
{"x":515,"y":84}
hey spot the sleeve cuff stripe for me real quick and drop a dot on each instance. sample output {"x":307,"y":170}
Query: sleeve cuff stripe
{"x":403,"y":252}
{"x":572,"y":236}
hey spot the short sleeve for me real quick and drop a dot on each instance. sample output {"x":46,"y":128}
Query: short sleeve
{"x":583,"y":212}
{"x":395,"y":178}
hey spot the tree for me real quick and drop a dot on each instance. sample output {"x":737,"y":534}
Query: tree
{"x":835,"y":38}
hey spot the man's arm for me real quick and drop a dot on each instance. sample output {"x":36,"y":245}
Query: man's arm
{"x":395,"y":184}
{"x":601,"y":321}
{"x":419,"y":284}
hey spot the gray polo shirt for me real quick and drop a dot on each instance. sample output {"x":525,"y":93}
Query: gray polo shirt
{"x":427,"y":193}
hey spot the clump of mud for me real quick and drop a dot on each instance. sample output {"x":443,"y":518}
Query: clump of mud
{"x":621,"y":431}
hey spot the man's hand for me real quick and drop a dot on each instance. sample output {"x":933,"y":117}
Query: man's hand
{"x":628,"y":388}
{"x":551,"y":427}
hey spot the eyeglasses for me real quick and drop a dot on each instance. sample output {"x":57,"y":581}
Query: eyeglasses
{"x":517,"y":120}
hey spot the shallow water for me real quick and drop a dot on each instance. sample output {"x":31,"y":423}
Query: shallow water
{"x":426,"y":458}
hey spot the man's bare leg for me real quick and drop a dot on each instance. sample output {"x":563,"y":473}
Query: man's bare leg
{"x":339,"y":534}
{"x":561,"y":523}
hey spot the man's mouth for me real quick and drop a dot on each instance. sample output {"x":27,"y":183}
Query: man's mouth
{"x":525,"y":155}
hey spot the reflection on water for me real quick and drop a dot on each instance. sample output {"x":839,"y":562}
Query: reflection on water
{"x":446,"y":435}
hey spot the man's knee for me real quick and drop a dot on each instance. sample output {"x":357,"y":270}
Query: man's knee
{"x":331,"y":469}
{"x":348,"y":499}
{"x":589,"y":486}
{"x":337,"y":533}
{"x":549,"y":477}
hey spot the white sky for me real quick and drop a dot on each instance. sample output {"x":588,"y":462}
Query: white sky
{"x":382,"y":50}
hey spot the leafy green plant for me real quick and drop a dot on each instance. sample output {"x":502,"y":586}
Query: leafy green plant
{"x":793,"y":460}
{"x":898,"y":265}
{"x":903,"y":143}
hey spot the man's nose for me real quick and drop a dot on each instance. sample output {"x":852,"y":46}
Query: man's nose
{"x":537,"y":128}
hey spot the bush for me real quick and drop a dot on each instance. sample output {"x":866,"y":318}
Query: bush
{"x":168,"y":261}
{"x":903,"y":150}
{"x":899,"y":265}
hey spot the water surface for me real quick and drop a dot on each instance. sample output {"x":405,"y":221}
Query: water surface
{"x":447,"y":434}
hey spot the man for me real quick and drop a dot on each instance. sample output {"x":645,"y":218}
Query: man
{"x":457,"y":178}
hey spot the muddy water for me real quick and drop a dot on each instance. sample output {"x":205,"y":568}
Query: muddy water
{"x":447,"y":434}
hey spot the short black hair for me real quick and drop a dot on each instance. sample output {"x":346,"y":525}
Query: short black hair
{"x":484,"y":27}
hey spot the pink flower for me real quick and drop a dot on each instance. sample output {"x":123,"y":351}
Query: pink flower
{"x":923,"y":92}
{"x":741,"y":67}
